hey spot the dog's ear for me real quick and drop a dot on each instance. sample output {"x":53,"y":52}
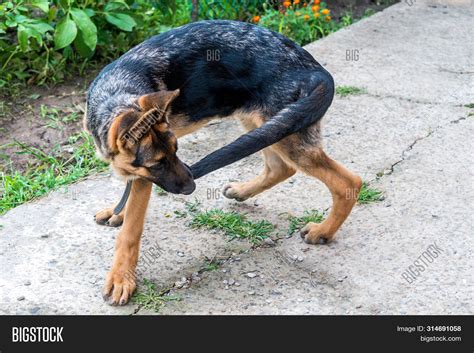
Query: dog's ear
{"x":160,"y":100}
{"x":119,"y":127}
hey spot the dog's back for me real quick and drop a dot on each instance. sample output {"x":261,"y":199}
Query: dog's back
{"x":219,"y":67}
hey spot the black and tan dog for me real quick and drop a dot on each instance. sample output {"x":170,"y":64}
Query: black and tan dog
{"x":175,"y":83}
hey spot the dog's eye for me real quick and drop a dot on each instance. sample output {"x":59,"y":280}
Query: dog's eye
{"x":157,"y":166}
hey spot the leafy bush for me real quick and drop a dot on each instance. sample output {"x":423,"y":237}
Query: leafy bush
{"x":38,"y":38}
{"x":46,"y":41}
{"x":242,"y":10}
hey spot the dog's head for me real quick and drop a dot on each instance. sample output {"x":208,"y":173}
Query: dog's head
{"x":142,"y":145}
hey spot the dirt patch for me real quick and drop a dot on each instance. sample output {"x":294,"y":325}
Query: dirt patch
{"x":42,"y":117}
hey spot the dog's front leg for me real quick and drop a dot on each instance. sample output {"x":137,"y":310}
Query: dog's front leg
{"x":121,"y":282}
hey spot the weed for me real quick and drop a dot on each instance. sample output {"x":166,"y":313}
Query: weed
{"x":56,"y":118}
{"x":344,"y":91}
{"x":234,"y":225}
{"x":296,"y":223}
{"x":368,"y":194}
{"x":148,"y":298}
{"x":211,"y":265}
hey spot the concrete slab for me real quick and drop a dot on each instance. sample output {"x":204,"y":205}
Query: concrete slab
{"x":421,"y":52}
{"x":362,"y":272}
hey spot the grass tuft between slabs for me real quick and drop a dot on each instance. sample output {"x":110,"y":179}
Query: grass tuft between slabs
{"x":147,"y":297}
{"x":368,"y":194}
{"x":233,"y":224}
{"x":344,"y":91}
{"x":296,"y":223}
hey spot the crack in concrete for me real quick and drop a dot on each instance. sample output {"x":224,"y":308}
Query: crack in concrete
{"x":189,"y":278}
{"x":411,"y":100}
{"x":225,"y":258}
{"x":412,"y":145}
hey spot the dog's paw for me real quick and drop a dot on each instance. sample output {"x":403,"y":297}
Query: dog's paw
{"x":315,"y":233}
{"x":119,"y":287}
{"x":234,"y":191}
{"x":106,"y":217}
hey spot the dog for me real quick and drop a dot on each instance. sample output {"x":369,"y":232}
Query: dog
{"x":175,"y":83}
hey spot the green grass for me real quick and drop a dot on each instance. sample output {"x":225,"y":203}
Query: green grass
{"x":344,"y":91}
{"x":233,"y":224}
{"x":296,"y":223}
{"x":47,"y":172}
{"x":148,"y":298}
{"x":470,"y":105}
{"x":211,"y":265}
{"x":368,"y":194}
{"x":56,"y":118}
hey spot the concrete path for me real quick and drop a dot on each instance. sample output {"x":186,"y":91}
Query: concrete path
{"x":411,"y":129}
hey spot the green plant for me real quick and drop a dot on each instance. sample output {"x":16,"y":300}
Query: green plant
{"x":344,"y":91}
{"x":368,"y":194}
{"x":242,"y":10}
{"x":56,"y":118}
{"x":148,"y":298}
{"x":234,"y":224}
{"x":47,"y":172}
{"x":301,"y":23}
{"x":211,"y":265}
{"x":41,"y":40}
{"x":296,"y":223}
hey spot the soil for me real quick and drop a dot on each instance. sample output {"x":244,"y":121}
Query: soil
{"x":20,"y":118}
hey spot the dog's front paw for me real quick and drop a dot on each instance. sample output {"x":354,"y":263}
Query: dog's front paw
{"x":119,"y":287}
{"x":315,"y":233}
{"x":235,"y":191}
{"x":106,"y":217}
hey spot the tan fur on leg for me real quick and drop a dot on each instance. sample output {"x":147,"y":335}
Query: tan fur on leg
{"x":275,"y":171}
{"x":344,"y":187}
{"x":120,"y":281}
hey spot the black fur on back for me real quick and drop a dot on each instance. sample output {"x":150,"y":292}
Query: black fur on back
{"x":219,"y":67}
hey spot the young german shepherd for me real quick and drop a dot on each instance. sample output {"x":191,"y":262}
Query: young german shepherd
{"x":173,"y":84}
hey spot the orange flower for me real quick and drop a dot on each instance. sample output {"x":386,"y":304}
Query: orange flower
{"x":305,"y":4}
{"x":306,"y":17}
{"x":256,"y":19}
{"x":287,"y":4}
{"x":316,"y":2}
{"x":328,"y":18}
{"x":317,"y":14}
{"x":296,"y":2}
{"x":325,"y":12}
{"x":315,"y":8}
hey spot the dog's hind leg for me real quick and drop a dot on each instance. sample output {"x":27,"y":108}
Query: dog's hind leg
{"x":106,"y":217}
{"x":304,"y":152}
{"x":275,"y":171}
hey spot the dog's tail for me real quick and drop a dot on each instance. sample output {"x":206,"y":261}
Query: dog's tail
{"x":297,"y":116}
